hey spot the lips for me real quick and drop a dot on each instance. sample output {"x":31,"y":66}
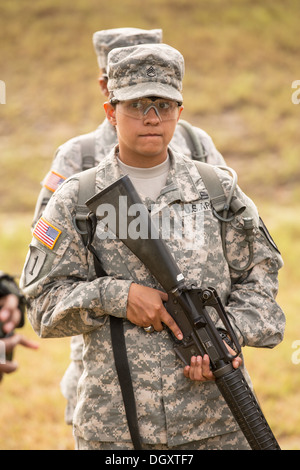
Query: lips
{"x":150,"y":135}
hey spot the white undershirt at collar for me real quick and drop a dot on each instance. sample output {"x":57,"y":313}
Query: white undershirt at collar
{"x":147,"y":181}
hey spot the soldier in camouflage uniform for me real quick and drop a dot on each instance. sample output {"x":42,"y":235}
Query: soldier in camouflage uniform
{"x":88,"y":150}
{"x":176,"y":409}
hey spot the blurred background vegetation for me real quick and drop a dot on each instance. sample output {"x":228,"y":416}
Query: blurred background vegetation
{"x":241,"y":59}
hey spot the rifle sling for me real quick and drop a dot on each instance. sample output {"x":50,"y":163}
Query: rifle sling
{"x":122,"y":366}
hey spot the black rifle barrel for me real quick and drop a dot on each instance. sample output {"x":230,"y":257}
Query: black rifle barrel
{"x":246,"y":410}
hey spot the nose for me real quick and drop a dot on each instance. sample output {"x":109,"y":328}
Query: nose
{"x":151,"y":113}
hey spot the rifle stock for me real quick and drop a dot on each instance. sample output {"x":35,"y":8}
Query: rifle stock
{"x":190,"y":308}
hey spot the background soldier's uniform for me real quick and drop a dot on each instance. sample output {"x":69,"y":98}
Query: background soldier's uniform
{"x":66,"y":298}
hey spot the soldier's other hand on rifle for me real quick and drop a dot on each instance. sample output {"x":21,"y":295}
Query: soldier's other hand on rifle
{"x":199,"y":368}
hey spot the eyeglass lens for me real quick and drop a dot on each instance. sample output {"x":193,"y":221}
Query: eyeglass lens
{"x":138,"y":109}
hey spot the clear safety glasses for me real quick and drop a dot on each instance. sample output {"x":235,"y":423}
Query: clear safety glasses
{"x":165,"y":110}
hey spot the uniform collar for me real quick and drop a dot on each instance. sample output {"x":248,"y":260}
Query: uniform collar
{"x":181,"y":179}
{"x":180,"y":185}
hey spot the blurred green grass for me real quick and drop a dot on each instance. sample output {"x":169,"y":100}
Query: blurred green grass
{"x":241,"y":59}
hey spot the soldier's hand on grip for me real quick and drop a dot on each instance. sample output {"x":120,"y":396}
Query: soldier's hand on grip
{"x":145,"y":308}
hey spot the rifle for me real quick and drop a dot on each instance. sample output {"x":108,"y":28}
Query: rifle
{"x":189,"y":306}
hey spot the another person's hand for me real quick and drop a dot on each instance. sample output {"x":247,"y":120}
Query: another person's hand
{"x":10,"y":314}
{"x":9,"y":344}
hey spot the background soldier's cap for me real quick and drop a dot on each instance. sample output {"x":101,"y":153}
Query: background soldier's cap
{"x":106,"y":40}
{"x":145,"y":70}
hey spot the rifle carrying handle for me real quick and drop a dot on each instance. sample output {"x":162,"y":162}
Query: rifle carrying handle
{"x":246,"y":410}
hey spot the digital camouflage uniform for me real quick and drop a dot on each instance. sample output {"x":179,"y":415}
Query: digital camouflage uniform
{"x":66,"y":298}
{"x":69,"y":160}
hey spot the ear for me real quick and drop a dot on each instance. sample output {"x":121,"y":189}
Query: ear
{"x":110,"y":112}
{"x":103,"y":86}
{"x":180,"y":111}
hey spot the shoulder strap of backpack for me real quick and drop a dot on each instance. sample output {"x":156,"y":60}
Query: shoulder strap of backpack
{"x":213,"y":185}
{"x":86,"y":182}
{"x":86,"y":190}
{"x":225,"y":208}
{"x":198,"y":151}
{"x":87,"y":143}
{"x":220,"y":202}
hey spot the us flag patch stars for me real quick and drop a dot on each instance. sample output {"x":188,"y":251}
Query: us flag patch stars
{"x":46,"y":233}
{"x":53,"y":181}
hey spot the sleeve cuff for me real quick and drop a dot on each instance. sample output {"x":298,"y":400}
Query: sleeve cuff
{"x":114,"y":297}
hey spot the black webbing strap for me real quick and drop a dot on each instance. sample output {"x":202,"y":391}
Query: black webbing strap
{"x":118,"y":346}
{"x":122,"y":366}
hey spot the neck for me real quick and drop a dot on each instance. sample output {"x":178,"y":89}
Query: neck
{"x":142,"y":161}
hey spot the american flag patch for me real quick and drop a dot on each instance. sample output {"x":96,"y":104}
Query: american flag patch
{"x":53,"y":181}
{"x":46,"y":233}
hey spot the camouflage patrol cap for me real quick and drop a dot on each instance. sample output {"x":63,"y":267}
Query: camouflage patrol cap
{"x":106,"y":40}
{"x":145,"y":70}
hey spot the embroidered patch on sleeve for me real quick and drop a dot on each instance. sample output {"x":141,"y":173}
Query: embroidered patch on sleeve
{"x":53,"y":181}
{"x":46,"y":233}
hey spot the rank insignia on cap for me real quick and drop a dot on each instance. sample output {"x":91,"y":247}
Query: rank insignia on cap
{"x":151,"y":72}
{"x":46,"y":233}
{"x":53,"y":181}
